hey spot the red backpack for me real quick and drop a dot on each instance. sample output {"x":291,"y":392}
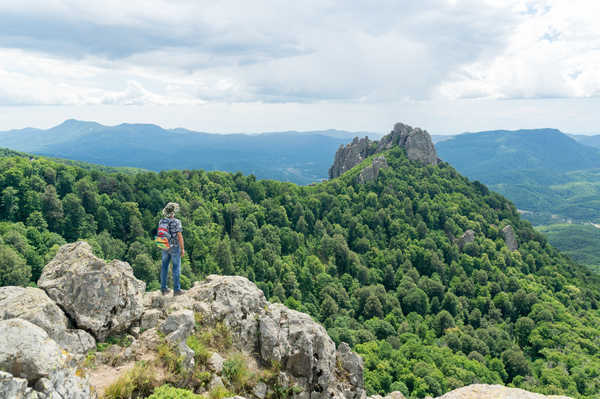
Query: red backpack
{"x":163,"y":235}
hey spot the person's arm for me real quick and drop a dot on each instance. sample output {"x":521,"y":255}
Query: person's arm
{"x":180,"y":239}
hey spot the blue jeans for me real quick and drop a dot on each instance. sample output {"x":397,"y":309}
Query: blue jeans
{"x":167,"y":256}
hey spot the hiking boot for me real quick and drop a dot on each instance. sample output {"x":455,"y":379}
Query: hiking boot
{"x":178,"y":292}
{"x":165,"y":292}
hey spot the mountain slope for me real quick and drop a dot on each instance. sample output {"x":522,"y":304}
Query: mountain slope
{"x":386,"y":266}
{"x":542,"y":171}
{"x":490,"y":156}
{"x":300,"y":157}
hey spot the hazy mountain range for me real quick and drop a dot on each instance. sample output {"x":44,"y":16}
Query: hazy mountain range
{"x":299,"y":157}
{"x":543,"y":171}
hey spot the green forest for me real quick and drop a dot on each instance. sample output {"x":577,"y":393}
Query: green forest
{"x":378,"y":264}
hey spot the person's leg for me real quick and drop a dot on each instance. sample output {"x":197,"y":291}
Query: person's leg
{"x":164,"y":271}
{"x":176,"y":271}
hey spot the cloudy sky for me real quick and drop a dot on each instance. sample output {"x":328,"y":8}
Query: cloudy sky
{"x":245,"y":66}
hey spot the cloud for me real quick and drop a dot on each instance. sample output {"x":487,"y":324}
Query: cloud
{"x":554,"y":52}
{"x":266,"y":51}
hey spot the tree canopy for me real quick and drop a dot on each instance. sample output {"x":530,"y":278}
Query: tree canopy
{"x":378,"y":263}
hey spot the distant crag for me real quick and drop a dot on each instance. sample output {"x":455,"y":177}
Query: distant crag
{"x":416,"y":142}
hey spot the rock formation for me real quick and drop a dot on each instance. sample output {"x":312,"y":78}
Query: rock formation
{"x":102,"y":298}
{"x":510,"y":238}
{"x":306,"y":354}
{"x":483,"y":391}
{"x":30,"y":358}
{"x":467,"y":238}
{"x":416,"y":142}
{"x":371,"y":172}
{"x":33,"y":305}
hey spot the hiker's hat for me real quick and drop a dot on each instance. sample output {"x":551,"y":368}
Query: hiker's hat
{"x":170,"y":209}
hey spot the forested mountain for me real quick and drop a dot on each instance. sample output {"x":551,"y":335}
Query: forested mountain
{"x":542,"y":171}
{"x":299,"y":157}
{"x":379,"y":263}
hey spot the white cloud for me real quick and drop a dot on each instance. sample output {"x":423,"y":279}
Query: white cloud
{"x":266,"y":53}
{"x":553,"y":52}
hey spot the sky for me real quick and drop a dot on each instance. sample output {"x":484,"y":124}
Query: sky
{"x":447,"y":66}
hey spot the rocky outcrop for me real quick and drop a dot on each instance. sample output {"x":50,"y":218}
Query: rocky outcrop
{"x":510,"y":238}
{"x":30,"y":358}
{"x":483,"y":391}
{"x":371,"y":172}
{"x":416,"y":142}
{"x":33,"y":305}
{"x":102,"y":298}
{"x":306,"y":355}
{"x":350,"y":155}
{"x":391,"y":395}
{"x":26,"y":351}
{"x":467,"y":238}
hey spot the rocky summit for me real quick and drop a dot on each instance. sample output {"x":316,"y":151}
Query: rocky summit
{"x":416,"y":142}
{"x":202,"y":332}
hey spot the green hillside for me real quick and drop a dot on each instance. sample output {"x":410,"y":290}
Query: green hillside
{"x":542,"y":171}
{"x":578,"y":241}
{"x":377,"y":264}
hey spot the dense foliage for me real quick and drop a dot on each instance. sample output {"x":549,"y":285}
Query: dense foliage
{"x":542,"y":171}
{"x":580,"y":242}
{"x":377,"y":264}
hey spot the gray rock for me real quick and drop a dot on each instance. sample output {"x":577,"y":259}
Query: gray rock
{"x":11,"y":387}
{"x":306,"y":354}
{"x":352,"y":364}
{"x":483,"y":391}
{"x":371,"y":172}
{"x":416,"y":142}
{"x":26,"y":351}
{"x":180,"y":325}
{"x":102,"y":298}
{"x":467,"y":238}
{"x":349,"y":156}
{"x":150,"y":319}
{"x":510,"y":238}
{"x":183,"y":319}
{"x":260,"y":390}
{"x":66,"y":383}
{"x":33,"y":305}
{"x":234,"y":301}
{"x":215,"y":382}
{"x":215,"y":363}
{"x":391,"y":395}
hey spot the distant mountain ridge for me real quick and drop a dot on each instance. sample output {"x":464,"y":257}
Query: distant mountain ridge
{"x":299,"y":157}
{"x":542,"y":170}
{"x":488,"y":155}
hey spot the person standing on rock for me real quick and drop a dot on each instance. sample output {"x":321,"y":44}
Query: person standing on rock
{"x":175,"y":250}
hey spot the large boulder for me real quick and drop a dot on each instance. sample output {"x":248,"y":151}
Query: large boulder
{"x":306,"y":355}
{"x":483,"y":391}
{"x":34,"y":305}
{"x":26,"y":351}
{"x":102,"y":298}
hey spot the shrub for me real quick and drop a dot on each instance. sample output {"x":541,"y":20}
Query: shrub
{"x":168,"y":392}
{"x":140,"y":381}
